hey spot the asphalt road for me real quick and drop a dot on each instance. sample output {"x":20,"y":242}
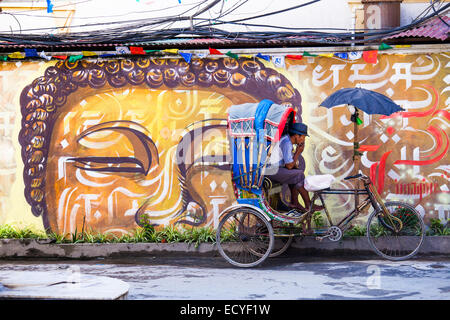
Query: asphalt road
{"x":282,"y":278}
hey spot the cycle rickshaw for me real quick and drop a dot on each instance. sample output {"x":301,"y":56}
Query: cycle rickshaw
{"x":248,"y":230}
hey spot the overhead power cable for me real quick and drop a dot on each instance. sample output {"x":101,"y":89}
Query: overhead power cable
{"x":144,"y":31}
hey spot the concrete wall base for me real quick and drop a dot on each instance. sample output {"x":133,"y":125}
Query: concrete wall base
{"x":30,"y":248}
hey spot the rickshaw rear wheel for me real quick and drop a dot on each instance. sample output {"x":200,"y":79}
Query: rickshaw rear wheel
{"x":244,"y":237}
{"x":281,"y":245}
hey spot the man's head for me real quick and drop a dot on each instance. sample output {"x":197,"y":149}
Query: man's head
{"x":298,"y":132}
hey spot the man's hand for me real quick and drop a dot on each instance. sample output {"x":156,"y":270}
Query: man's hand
{"x":298,"y":151}
{"x":300,"y":148}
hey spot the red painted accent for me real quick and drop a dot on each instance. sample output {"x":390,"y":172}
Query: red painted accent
{"x":373,"y":172}
{"x":427,"y":162}
{"x":443,"y":112}
{"x":367,"y":147}
{"x":381,"y":170}
{"x":405,"y":114}
{"x":390,"y":130}
{"x":438,"y":137}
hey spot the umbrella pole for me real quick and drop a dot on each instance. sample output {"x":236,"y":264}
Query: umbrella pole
{"x":356,"y":156}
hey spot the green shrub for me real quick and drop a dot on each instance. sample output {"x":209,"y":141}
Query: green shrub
{"x":355,"y":231}
{"x":437,"y":228}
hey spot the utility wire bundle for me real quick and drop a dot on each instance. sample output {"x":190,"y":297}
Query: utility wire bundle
{"x":144,"y":31}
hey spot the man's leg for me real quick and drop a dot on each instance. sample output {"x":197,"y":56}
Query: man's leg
{"x":294,"y":198}
{"x":306,"y":199}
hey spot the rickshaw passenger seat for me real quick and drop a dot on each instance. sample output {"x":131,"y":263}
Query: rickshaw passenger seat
{"x":272,"y":186}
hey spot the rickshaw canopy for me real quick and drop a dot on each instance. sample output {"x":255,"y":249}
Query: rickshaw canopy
{"x":253,"y":128}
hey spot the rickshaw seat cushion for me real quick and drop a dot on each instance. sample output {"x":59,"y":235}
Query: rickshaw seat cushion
{"x":318,"y":182}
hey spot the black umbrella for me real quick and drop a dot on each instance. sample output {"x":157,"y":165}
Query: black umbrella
{"x":370,"y":102}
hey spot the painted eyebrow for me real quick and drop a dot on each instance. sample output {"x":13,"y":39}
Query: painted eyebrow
{"x":142,"y":145}
{"x":109,"y":160}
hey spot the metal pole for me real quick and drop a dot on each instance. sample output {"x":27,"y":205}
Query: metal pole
{"x":356,"y":156}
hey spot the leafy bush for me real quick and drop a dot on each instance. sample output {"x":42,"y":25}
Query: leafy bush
{"x":355,"y":231}
{"x":437,"y":228}
{"x":11,"y":232}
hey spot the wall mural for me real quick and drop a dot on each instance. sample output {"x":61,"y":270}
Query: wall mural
{"x":102,"y":143}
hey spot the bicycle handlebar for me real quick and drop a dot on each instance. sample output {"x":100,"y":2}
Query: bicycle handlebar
{"x":359,"y":175}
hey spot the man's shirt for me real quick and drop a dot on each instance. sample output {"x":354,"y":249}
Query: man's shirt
{"x":281,"y":154}
{"x":285,"y":151}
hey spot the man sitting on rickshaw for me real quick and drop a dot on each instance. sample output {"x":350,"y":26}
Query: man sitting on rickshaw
{"x":288,"y":167}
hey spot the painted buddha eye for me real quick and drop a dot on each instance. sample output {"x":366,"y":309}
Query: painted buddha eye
{"x":145,"y":151}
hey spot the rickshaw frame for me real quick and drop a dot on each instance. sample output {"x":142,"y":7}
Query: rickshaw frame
{"x":252,"y":218}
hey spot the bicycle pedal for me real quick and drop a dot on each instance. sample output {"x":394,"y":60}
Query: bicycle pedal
{"x":321,"y":238}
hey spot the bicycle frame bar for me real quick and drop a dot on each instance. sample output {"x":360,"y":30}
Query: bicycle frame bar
{"x":373,"y":198}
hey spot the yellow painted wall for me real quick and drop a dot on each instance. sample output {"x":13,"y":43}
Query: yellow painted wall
{"x":106,"y":141}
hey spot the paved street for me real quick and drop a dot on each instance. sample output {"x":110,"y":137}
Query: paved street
{"x":279,"y":278}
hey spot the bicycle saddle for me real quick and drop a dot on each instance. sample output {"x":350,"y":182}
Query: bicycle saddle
{"x":318,"y":182}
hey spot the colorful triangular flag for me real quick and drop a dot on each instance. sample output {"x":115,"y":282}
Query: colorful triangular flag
{"x":214,"y":51}
{"x":294,"y":56}
{"x":307,"y":54}
{"x":16,"y":55}
{"x":75,"y":58}
{"x":173,"y":51}
{"x":105,"y":55}
{"x":123,"y":50}
{"x":384,"y":46}
{"x":278,"y":61}
{"x":186,"y":56}
{"x":263,"y":56}
{"x":370,"y":56}
{"x":355,"y":55}
{"x":202,"y":55}
{"x":137,"y":50}
{"x":88,"y":53}
{"x":232,"y":55}
{"x":328,"y":55}
{"x":44,"y":56}
{"x":342,"y":55}
{"x":30,"y":53}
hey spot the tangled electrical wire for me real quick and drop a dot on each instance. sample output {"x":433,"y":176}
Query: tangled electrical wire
{"x":145,"y":31}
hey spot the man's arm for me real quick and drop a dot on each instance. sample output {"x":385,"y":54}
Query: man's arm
{"x":297,"y":154}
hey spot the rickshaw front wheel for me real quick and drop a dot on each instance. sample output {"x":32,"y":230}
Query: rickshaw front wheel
{"x":244,"y":237}
{"x":398,"y":235}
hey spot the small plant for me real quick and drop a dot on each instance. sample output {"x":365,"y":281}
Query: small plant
{"x":437,"y":228}
{"x":10,"y":232}
{"x":198,"y":235}
{"x":317,"y":219}
{"x":147,"y":231}
{"x":355,"y":231}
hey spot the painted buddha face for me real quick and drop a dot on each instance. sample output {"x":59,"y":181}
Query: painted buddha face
{"x":106,"y":142}
{"x":117,"y":153}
